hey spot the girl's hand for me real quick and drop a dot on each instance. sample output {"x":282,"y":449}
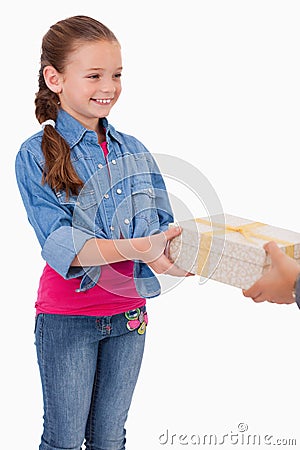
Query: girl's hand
{"x":156,"y":255}
{"x":149,"y":249}
{"x":167,"y":267}
{"x":275,"y":286}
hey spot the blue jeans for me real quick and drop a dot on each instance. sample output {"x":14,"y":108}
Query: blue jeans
{"x":89,"y":367}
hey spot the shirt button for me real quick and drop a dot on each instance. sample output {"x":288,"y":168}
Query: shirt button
{"x":150,"y":190}
{"x":119,"y":191}
{"x":106,"y":196}
{"x":113,"y":161}
{"x":112,"y":228}
{"x":100,"y":166}
{"x":127,"y":221}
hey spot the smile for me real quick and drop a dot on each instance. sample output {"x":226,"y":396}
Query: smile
{"x":104,"y":101}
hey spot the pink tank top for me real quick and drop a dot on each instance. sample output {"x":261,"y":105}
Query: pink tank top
{"x":114,"y":293}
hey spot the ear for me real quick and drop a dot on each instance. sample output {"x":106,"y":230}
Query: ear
{"x":53,"y":79}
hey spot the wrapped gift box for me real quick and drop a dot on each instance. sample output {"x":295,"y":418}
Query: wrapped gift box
{"x":228,"y":248}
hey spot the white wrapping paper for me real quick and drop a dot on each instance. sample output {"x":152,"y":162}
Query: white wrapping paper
{"x":232,"y":254}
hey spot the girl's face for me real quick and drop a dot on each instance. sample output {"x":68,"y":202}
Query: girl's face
{"x":91,"y":82}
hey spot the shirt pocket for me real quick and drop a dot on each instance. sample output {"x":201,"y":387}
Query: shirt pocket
{"x":84,"y":207}
{"x":145,"y":216}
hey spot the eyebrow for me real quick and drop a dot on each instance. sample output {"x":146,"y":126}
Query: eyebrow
{"x":101,"y":68}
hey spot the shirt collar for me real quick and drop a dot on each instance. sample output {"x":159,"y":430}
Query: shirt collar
{"x":72,"y":130}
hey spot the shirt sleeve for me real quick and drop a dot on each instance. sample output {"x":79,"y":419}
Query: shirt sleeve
{"x":52,"y":221}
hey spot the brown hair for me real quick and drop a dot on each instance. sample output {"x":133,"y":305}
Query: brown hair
{"x":62,"y":39}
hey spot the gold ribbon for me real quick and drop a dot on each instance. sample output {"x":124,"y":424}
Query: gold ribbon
{"x":245,"y":230}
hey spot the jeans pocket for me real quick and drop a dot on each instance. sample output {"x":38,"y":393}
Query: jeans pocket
{"x":35,"y":323}
{"x":38,"y":325}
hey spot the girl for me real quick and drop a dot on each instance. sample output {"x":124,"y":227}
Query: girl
{"x":99,"y":207}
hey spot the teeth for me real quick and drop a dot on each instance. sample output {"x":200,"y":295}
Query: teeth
{"x":103,"y":101}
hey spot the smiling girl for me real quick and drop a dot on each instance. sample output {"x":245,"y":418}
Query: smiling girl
{"x":100,"y":210}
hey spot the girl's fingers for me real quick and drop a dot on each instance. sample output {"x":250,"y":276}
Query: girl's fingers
{"x":172,"y":232}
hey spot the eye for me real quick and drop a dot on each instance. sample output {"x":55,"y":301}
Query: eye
{"x":94,"y":77}
{"x":118,"y":75}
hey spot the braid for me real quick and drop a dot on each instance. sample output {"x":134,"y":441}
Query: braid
{"x":46,"y":102}
{"x":59,"y":172}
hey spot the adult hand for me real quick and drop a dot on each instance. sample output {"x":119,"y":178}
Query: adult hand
{"x":276,"y":285}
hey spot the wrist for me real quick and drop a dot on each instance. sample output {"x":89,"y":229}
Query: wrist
{"x":149,"y":248}
{"x":131,"y":249}
{"x":135,"y":248}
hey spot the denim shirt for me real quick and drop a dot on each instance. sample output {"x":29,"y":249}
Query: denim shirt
{"x":123,"y":196}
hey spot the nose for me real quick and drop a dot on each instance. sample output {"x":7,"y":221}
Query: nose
{"x":107,"y":85}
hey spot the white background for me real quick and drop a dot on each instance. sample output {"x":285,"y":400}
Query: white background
{"x":216,"y":83}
